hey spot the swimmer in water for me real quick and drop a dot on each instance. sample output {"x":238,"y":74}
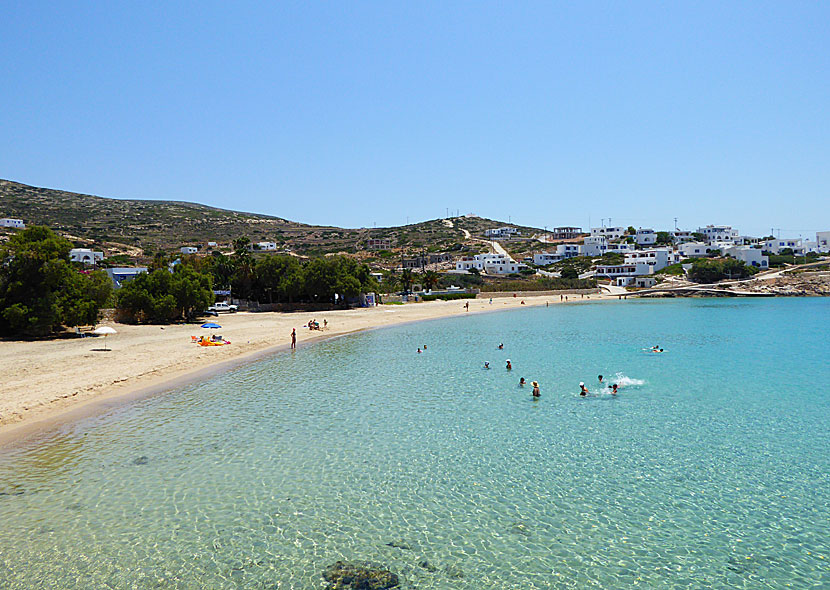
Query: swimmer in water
{"x":486,"y":365}
{"x":600,"y":379}
{"x":425,"y":346}
{"x":501,"y":346}
{"x":582,"y":390}
{"x":419,"y":351}
{"x":614,"y":389}
{"x":536,"y":389}
{"x":509,"y":367}
{"x":522,"y":382}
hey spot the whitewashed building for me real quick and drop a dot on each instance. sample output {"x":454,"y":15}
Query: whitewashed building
{"x":266,"y":246}
{"x":719,"y":233}
{"x":188,"y":249}
{"x":501,"y":232}
{"x":775,"y":246}
{"x":14,"y":223}
{"x":561,"y":252}
{"x":823,"y":241}
{"x":637,"y":265}
{"x":599,"y":245}
{"x":495,"y":264}
{"x":646,"y":237}
{"x":85,"y":256}
{"x":748,"y":255}
{"x":695,"y":249}
{"x":611,"y":233}
{"x":681,"y":236}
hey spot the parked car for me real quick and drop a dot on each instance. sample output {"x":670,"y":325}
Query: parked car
{"x":223,"y":306}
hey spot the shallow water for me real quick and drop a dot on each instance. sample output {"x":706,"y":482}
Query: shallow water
{"x":714,"y":471}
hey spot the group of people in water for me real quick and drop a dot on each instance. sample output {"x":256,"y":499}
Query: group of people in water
{"x":612,"y":387}
{"x":604,"y":385}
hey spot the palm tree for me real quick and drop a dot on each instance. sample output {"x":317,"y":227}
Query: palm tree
{"x":430,"y":279}
{"x":406,"y":279}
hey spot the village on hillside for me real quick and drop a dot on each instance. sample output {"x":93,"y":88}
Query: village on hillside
{"x":623,"y":257}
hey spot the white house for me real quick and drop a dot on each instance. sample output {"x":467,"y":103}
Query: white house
{"x":561,"y":252}
{"x":775,"y":246}
{"x":267,"y":246}
{"x":85,"y":255}
{"x":211,"y":244}
{"x":598,"y":245}
{"x":15,"y":223}
{"x":656,"y":258}
{"x":748,"y":255}
{"x":681,"y":236}
{"x":823,"y":241}
{"x":719,"y":233}
{"x":501,"y":232}
{"x":121,"y":275}
{"x":612,"y":233}
{"x":646,"y":237}
{"x":188,"y":249}
{"x":695,"y":249}
{"x":495,"y":264}
{"x":639,"y":264}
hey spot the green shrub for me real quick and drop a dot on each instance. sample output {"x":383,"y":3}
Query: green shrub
{"x":40,"y":290}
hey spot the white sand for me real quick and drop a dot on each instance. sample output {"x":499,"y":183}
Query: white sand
{"x":46,"y":379}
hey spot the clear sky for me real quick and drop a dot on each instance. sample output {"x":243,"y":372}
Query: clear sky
{"x":362,"y":113}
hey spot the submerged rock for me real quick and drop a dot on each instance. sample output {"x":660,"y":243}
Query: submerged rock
{"x":427,"y":566}
{"x":142,"y":460}
{"x":400,"y":545}
{"x":358,"y":576}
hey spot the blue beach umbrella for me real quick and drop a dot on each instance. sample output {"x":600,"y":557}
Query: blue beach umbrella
{"x":211,"y":325}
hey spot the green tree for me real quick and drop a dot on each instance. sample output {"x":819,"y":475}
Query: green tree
{"x":430,"y":279}
{"x":40,"y":291}
{"x":406,"y":279}
{"x":631,"y":231}
{"x":664,"y":238}
{"x":163,"y":297}
{"x":569,"y":272}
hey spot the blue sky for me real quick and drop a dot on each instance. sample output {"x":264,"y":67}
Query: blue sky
{"x":362,"y":113}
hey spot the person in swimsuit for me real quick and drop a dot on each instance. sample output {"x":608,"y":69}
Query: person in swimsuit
{"x":536,"y":389}
{"x":583,"y":391}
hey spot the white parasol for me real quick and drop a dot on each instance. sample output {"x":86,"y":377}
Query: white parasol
{"x":105,"y":331}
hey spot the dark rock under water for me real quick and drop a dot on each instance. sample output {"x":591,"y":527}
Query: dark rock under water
{"x":345,"y":575}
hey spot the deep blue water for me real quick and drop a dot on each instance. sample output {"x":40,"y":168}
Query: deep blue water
{"x":711,"y":468}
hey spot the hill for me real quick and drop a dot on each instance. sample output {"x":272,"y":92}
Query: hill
{"x":139,"y":228}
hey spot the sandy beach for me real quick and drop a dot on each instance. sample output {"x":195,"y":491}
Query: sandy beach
{"x":48,"y":381}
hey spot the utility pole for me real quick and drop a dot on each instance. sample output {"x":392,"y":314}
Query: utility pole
{"x":675,"y":224}
{"x":448,"y":212}
{"x":602,"y":222}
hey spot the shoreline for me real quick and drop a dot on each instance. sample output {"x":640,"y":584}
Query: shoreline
{"x":61,"y":382}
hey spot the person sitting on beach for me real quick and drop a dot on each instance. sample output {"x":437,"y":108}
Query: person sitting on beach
{"x":486,"y":365}
{"x":509,"y":367}
{"x":326,"y":323}
{"x":522,"y":382}
{"x":536,"y":389}
{"x":583,"y":391}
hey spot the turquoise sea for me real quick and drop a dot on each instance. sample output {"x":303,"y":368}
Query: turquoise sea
{"x":710,"y":469}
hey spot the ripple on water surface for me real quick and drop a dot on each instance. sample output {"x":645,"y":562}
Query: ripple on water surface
{"x":709,"y":469}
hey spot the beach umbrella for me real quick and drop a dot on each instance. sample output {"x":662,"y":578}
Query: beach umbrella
{"x":104,"y":331}
{"x":211,"y":325}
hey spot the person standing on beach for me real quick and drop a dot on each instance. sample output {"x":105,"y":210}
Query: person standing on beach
{"x":293,"y":337}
